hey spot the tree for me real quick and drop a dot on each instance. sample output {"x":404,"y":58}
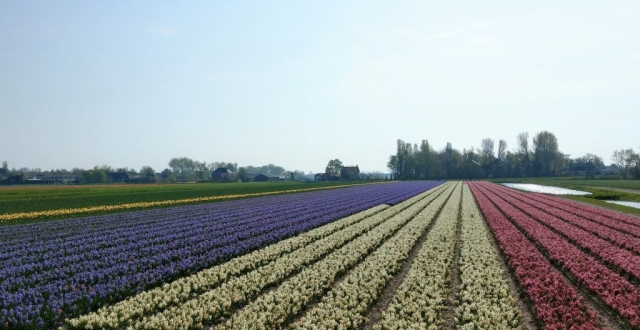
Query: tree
{"x":333,"y":167}
{"x":183,"y":168}
{"x":593,"y":163}
{"x":168,"y":175}
{"x":392,"y":165}
{"x":486,"y":151}
{"x":201,"y":170}
{"x":502,"y":149}
{"x":626,"y":160}
{"x":147,"y":171}
{"x":5,"y":166}
{"x":545,"y":148}
{"x":523,"y":150}
{"x":242,"y":174}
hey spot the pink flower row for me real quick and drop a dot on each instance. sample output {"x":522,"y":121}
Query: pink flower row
{"x":607,"y":218}
{"x":556,"y":303}
{"x":613,"y":289}
{"x":615,"y":256}
{"x":601,"y":212}
{"x":617,"y":237}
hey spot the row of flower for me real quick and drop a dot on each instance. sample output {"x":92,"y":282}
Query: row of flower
{"x":616,"y":236}
{"x":556,"y":303}
{"x":617,"y":221}
{"x":613,"y":255}
{"x":176,"y":292}
{"x":76,"y":278}
{"x":345,"y":306}
{"x":486,"y":300}
{"x":600,"y":212}
{"x":294,"y":289}
{"x":615,"y":291}
{"x":421,"y":299}
{"x":142,"y":205}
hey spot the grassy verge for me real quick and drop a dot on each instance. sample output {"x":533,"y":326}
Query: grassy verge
{"x":48,"y":198}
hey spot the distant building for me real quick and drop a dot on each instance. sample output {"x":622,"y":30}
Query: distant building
{"x":350,"y":173}
{"x":118,"y":176}
{"x":326,"y":177}
{"x":608,"y":170}
{"x":221,"y":174}
{"x":265,"y":177}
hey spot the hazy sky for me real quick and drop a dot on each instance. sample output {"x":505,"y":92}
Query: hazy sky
{"x":298,"y":83}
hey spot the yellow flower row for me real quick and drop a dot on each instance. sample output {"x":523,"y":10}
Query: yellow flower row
{"x":345,"y":305}
{"x":172,"y":202}
{"x":218,"y":302}
{"x":419,"y":301}
{"x":130,"y":310}
{"x":487,"y":302}
{"x":274,"y":308}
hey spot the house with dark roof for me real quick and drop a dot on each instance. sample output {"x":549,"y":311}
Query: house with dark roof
{"x":221,"y":174}
{"x":350,"y":173}
{"x":118,"y":176}
{"x":326,"y":177}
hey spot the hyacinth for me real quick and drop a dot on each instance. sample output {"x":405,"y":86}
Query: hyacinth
{"x":614,"y":290}
{"x":50,"y":271}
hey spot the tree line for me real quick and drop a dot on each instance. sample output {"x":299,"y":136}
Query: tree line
{"x":180,"y":169}
{"x":538,"y":156}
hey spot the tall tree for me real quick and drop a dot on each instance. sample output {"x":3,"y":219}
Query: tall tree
{"x":486,"y":151}
{"x":545,"y":148}
{"x":502,"y":149}
{"x":523,"y":150}
{"x":626,"y":160}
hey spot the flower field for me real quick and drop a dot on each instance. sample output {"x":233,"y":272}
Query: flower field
{"x":402,"y":255}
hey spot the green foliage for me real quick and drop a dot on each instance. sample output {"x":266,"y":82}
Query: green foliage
{"x":333,"y":167}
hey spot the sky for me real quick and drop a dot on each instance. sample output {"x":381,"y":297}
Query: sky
{"x":298,"y":83}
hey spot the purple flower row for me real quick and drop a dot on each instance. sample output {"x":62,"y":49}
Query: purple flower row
{"x":58,"y":269}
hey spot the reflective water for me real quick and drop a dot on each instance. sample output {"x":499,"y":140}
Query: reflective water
{"x":545,"y":189}
{"x":630,"y":204}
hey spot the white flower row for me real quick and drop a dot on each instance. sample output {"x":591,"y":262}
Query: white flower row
{"x":346,"y":305}
{"x":210,"y":306}
{"x":124,"y":312}
{"x":421,"y":297}
{"x":486,"y":301}
{"x":276,"y":307}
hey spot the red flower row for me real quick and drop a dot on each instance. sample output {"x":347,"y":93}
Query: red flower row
{"x":556,"y":303}
{"x":615,"y":256}
{"x":616,"y":236}
{"x":613,"y":289}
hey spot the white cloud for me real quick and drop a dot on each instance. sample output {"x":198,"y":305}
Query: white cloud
{"x":162,"y":31}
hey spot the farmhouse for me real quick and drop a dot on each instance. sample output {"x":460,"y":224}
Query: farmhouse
{"x":350,"y":173}
{"x":118,"y":176}
{"x":326,"y":177}
{"x":221,"y":174}
{"x":611,"y":169}
{"x":262,"y":177}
